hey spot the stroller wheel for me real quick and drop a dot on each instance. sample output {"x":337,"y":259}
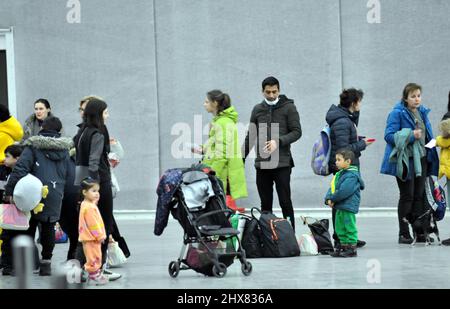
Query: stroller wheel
{"x":174,"y":269}
{"x":246,"y":268}
{"x":220,"y":270}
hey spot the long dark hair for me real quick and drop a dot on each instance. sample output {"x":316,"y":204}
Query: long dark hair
{"x":93,"y":114}
{"x":223,"y":100}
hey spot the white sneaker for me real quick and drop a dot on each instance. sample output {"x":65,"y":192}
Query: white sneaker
{"x":111,"y":276}
{"x":99,"y":279}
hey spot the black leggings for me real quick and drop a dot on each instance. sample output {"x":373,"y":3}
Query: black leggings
{"x":410,"y":204}
{"x":47,"y":236}
{"x":105,"y":206}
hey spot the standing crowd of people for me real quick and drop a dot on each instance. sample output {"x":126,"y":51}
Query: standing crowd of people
{"x":78,"y":173}
{"x":275,"y":126}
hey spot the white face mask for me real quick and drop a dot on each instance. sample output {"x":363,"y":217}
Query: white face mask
{"x":272,"y":102}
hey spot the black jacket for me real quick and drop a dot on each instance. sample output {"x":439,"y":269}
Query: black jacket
{"x":92,"y":148}
{"x":343,"y":134}
{"x":45,"y":156}
{"x":4,"y":174}
{"x":263,"y":116}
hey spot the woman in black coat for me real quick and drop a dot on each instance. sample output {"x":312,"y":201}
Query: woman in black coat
{"x":92,"y":148}
{"x":343,"y":121}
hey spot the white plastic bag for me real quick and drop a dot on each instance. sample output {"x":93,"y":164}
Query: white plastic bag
{"x":115,"y":255}
{"x":308,"y":245}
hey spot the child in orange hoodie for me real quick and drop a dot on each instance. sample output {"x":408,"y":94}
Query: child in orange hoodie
{"x":92,"y":231}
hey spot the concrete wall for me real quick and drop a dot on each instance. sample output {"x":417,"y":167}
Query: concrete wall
{"x":154,"y":61}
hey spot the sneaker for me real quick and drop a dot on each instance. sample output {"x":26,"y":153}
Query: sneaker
{"x":97,"y":278}
{"x":446,"y":242}
{"x":360,"y":243}
{"x":45,"y":268}
{"x":111,"y":276}
{"x":405,"y":240}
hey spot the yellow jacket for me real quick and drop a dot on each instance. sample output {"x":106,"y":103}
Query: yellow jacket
{"x":10,"y":131}
{"x":443,"y":141}
{"x":444,"y":162}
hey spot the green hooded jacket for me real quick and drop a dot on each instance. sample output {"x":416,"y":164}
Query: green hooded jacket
{"x":222,"y":152}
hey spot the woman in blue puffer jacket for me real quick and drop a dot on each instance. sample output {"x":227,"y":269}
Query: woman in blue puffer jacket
{"x":410,"y":114}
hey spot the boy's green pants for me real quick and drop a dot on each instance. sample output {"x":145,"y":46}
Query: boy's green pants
{"x":346,"y":227}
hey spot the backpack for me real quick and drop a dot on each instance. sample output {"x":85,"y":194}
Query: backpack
{"x":277,"y":236}
{"x":435,"y":197}
{"x":251,"y":238}
{"x":321,"y":153}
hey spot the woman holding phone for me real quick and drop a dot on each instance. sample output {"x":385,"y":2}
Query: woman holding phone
{"x":343,"y":121}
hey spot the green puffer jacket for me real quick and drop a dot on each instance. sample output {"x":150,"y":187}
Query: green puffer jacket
{"x":222,"y":152}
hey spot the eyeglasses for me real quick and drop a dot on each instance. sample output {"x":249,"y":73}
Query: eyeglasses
{"x":81,"y":109}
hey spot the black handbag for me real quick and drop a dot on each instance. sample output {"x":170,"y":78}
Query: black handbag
{"x":319,"y":229}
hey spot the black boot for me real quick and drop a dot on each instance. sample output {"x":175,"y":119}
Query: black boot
{"x":8,"y":271}
{"x":406,"y":240}
{"x":349,"y":251}
{"x":446,"y":242}
{"x":360,"y":243}
{"x":337,"y":245}
{"x":338,"y":250}
{"x":45,"y":268}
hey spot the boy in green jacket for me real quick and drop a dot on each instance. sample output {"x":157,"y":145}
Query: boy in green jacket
{"x":345,"y":196}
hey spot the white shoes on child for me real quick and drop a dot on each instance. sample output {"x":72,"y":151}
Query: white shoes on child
{"x":97,"y":278}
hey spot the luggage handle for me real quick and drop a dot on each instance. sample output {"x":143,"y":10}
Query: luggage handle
{"x":253,"y":215}
{"x":304,"y":219}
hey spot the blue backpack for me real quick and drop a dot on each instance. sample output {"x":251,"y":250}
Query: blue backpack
{"x":321,"y":153}
{"x":435,"y":197}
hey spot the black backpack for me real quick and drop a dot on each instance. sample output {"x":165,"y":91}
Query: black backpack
{"x":251,"y":238}
{"x":277,"y":236}
{"x":319,"y":229}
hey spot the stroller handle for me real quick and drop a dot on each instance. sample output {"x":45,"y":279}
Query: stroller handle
{"x":227,"y":212}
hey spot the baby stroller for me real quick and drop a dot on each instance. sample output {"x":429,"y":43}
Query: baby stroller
{"x":199,"y":206}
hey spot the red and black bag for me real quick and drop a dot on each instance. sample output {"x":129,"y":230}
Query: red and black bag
{"x":277,"y":235}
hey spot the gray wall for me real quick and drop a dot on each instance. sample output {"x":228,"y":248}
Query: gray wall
{"x":154,"y":65}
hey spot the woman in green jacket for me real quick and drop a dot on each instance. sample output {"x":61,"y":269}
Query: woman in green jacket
{"x":222,"y":151}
